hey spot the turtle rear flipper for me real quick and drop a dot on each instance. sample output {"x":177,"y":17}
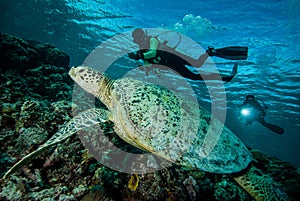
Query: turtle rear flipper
{"x":83,"y":120}
{"x":261,"y":186}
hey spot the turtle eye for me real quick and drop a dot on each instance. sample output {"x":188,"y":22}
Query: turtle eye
{"x":81,"y":70}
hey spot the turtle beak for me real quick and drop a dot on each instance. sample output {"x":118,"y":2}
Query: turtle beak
{"x":72,"y":72}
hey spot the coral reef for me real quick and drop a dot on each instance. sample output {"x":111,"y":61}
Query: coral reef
{"x":21,"y":54}
{"x":37,"y":100}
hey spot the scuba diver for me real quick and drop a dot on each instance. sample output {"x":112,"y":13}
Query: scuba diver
{"x":252,"y":111}
{"x":152,"y":51}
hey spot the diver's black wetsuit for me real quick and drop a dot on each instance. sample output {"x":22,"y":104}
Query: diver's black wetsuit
{"x":259,"y":114}
{"x":178,"y":64}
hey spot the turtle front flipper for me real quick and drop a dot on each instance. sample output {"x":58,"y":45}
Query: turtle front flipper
{"x":261,"y":186}
{"x":83,"y":120}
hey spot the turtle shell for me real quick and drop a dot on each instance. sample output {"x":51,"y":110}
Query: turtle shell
{"x":155,"y":119}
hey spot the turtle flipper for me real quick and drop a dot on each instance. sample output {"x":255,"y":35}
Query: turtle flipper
{"x":83,"y":120}
{"x":260,"y":186}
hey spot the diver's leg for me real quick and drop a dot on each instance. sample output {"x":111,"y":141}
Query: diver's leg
{"x":272,"y":127}
{"x":186,"y":73}
{"x":228,"y":78}
{"x":178,"y":64}
{"x":197,"y":63}
{"x":224,"y":77}
{"x":201,"y":60}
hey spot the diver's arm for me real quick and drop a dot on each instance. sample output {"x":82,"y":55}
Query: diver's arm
{"x":153,"y":49}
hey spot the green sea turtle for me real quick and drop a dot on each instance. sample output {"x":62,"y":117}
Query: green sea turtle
{"x":156,"y":120}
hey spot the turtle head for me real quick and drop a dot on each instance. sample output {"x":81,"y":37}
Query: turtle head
{"x":92,"y":81}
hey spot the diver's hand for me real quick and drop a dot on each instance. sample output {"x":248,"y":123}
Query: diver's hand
{"x":135,"y":55}
{"x":141,"y":62}
{"x":211,"y":51}
{"x":132,"y":55}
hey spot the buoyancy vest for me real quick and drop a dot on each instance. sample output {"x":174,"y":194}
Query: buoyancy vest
{"x":162,"y":50}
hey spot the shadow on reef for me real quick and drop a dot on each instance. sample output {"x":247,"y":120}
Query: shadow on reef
{"x":36,"y":98}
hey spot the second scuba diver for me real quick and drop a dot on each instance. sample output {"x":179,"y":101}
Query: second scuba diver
{"x":252,"y":111}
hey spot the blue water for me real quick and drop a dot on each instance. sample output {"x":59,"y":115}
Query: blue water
{"x":271,"y":30}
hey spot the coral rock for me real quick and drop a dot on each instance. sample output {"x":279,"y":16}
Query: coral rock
{"x":21,"y":54}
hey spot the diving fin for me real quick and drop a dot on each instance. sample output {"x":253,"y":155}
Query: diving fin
{"x":273,"y":127}
{"x":231,"y":53}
